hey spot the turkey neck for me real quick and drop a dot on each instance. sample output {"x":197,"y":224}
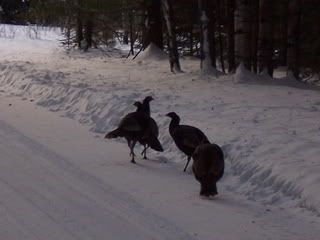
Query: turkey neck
{"x":146,"y":107}
{"x":173,"y":124}
{"x":139,"y":109}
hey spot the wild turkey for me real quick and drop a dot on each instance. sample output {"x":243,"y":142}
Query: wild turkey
{"x":187,"y":138}
{"x":145,"y":107}
{"x":136,"y":127}
{"x":208,"y":167}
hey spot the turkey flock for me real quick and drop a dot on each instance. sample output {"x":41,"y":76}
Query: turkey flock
{"x":208,"y":158}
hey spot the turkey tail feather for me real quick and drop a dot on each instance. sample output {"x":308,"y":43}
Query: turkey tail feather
{"x":113,"y":134}
{"x":155,"y":144}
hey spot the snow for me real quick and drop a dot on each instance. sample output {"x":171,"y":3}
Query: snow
{"x":152,"y":53}
{"x":48,"y":191}
{"x":243,"y":75}
{"x":269,"y":131}
{"x":22,"y":39}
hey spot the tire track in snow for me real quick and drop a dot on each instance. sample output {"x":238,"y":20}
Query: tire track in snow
{"x":69,"y":198}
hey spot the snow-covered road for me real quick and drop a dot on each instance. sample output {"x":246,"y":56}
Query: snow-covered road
{"x":46,"y":196}
{"x":59,"y":181}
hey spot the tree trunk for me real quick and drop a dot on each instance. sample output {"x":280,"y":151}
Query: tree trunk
{"x":293,"y":53}
{"x":242,"y":33}
{"x":191,"y":40}
{"x":231,"y":56}
{"x":194,"y":20}
{"x":154,"y":24}
{"x":132,"y":37}
{"x":124,"y":21}
{"x":265,"y":43}
{"x":254,"y":34}
{"x":88,"y":32}
{"x":68,"y":39}
{"x":79,"y":30}
{"x":284,"y":33}
{"x":207,"y":36}
{"x":125,"y":39}
{"x":219,"y":20}
{"x":171,"y":29}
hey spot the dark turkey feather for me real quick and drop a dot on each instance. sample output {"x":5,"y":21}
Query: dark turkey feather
{"x":187,"y":138}
{"x":135,"y":127}
{"x":151,"y":141}
{"x":154,"y":143}
{"x":146,"y":105}
{"x":208,"y":167}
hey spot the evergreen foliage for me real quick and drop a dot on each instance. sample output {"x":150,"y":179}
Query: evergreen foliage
{"x":264,"y":34}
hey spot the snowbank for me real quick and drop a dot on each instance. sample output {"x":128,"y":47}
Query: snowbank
{"x":152,"y":53}
{"x":271,"y":140}
{"x":243,"y":75}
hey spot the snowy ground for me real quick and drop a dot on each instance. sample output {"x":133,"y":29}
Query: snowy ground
{"x":268,"y":129}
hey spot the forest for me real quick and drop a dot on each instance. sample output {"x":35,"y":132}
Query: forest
{"x":261,"y":34}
